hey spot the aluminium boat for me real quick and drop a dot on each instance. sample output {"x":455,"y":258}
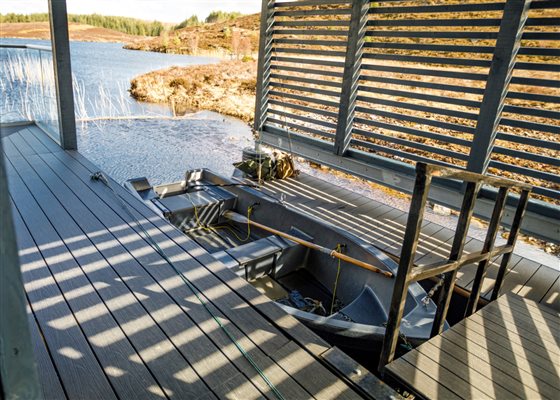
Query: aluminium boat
{"x":343,"y":302}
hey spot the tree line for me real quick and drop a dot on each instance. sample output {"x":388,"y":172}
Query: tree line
{"x":130,"y":26}
{"x":213,"y":17}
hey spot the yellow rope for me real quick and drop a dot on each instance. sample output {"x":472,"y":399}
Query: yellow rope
{"x":213,"y":228}
{"x":338,"y":249}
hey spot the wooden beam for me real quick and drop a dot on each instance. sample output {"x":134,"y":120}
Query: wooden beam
{"x":497,"y":84}
{"x":351,"y":75}
{"x":18,"y":374}
{"x":263,"y":67}
{"x":63,"y":74}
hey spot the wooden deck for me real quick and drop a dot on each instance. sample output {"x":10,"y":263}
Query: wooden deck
{"x":383,"y":226}
{"x":509,"y":349}
{"x":110,"y":318}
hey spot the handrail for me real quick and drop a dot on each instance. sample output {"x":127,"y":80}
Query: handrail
{"x":26,"y":46}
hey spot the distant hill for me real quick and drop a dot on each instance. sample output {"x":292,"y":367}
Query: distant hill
{"x":237,"y":36}
{"x":80,"y":32}
{"x":130,"y":26}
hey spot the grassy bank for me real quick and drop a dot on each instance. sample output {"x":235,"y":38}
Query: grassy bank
{"x":227,"y":87}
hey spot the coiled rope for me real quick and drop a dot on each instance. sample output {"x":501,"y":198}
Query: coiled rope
{"x":99,"y":176}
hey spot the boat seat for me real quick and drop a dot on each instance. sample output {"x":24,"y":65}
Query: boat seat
{"x":258,"y":257}
{"x":365,"y":309}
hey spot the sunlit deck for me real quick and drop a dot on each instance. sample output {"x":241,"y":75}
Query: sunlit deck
{"x":509,"y":349}
{"x":109,"y":316}
{"x":384,"y":226}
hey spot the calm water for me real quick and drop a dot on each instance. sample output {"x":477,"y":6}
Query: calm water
{"x":161,"y":149}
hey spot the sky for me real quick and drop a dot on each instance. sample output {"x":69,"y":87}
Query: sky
{"x":161,"y":10}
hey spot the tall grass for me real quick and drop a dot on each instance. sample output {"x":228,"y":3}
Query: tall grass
{"x":27,"y":81}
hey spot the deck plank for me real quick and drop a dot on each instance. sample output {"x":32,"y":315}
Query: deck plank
{"x":247,"y":323}
{"x":99,"y":290}
{"x":484,"y":356}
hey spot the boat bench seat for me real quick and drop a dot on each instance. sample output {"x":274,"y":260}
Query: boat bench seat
{"x":254,"y":259}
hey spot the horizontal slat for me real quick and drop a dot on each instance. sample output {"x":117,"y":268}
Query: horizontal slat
{"x":551,"y":83}
{"x":410,"y":143}
{"x":300,"y":127}
{"x":304,"y":99}
{"x":428,"y":72}
{"x":301,"y":3}
{"x":535,"y":112}
{"x":551,"y":193}
{"x":530,"y":125}
{"x":306,"y":70}
{"x":422,"y":84}
{"x":292,"y":78}
{"x":312,"y":23}
{"x":304,"y":89}
{"x":417,"y":120}
{"x":534,"y":97}
{"x":420,"y":96}
{"x":430,"y":47}
{"x":434,"y":35}
{"x":462,"y":22}
{"x":529,"y":66}
{"x":525,"y":171}
{"x":527,"y":156}
{"x":545,"y":144}
{"x":412,"y":131}
{"x":307,"y":13}
{"x":299,"y":42}
{"x":417,"y":107}
{"x":310,"y":32}
{"x":399,"y":153}
{"x":428,"y":60}
{"x":325,"y":63}
{"x":302,"y":118}
{"x":313,"y":52}
{"x":306,"y":109}
{"x":539,"y":51}
{"x":539,"y":36}
{"x":542,"y":21}
{"x":444,"y":8}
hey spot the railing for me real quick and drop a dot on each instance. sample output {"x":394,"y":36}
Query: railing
{"x":408,"y":272}
{"x":28,"y":84}
{"x":374,"y":87}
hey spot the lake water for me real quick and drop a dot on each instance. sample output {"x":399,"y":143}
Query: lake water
{"x":161,"y":149}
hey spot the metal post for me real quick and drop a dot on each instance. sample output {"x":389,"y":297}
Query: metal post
{"x":489,"y":242}
{"x":63,"y":74}
{"x":467,"y":209}
{"x":351,"y":76}
{"x":515,"y":228}
{"x":499,"y":77}
{"x":406,"y":262}
{"x":263,"y":68}
{"x":18,"y":375}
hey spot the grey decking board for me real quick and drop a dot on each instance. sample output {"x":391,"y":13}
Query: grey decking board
{"x":71,"y":279}
{"x":241,"y":287}
{"x":496,"y":345}
{"x":51,"y":387}
{"x":172,"y":324}
{"x":486,"y":354}
{"x":9,"y":147}
{"x":45,"y":139}
{"x":478,"y":374}
{"x":443,"y":376}
{"x":143,"y":337}
{"x":483,"y":372}
{"x":539,"y":284}
{"x":502,"y":358}
{"x":21,"y":145}
{"x":551,"y":298}
{"x":547,"y":330}
{"x":226,"y":301}
{"x":58,"y":340}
